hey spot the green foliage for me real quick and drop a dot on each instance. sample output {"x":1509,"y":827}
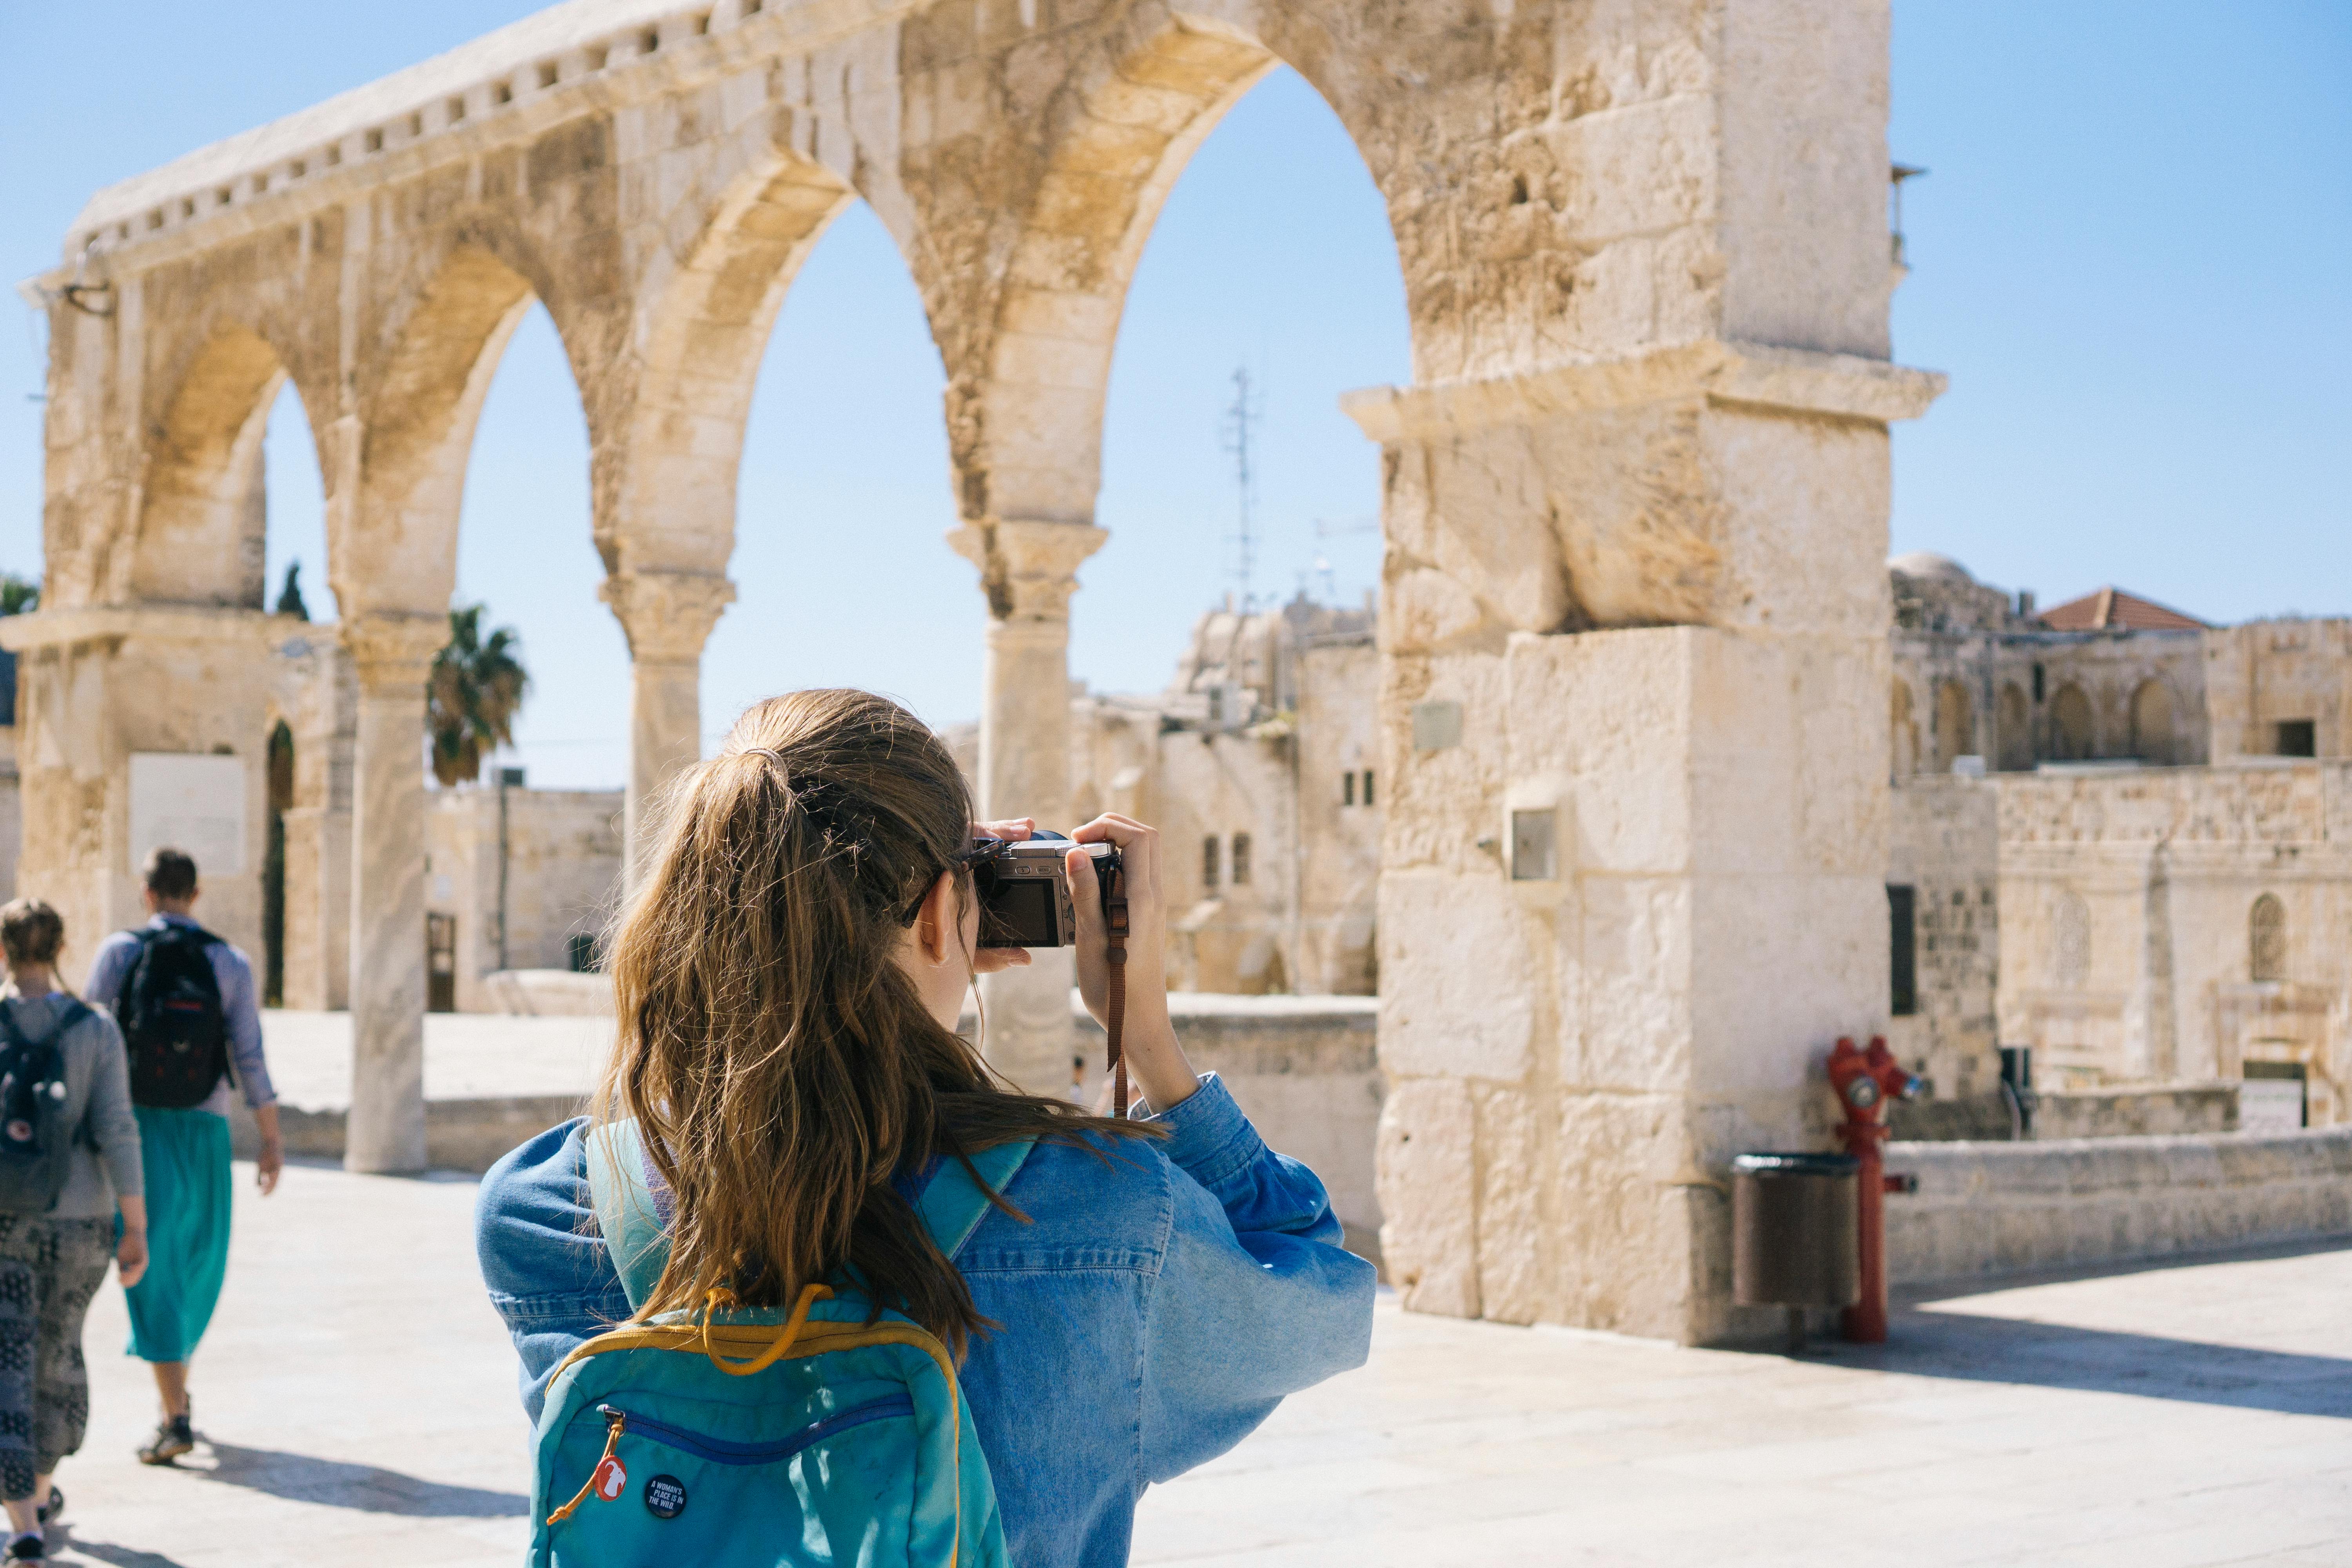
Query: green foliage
{"x":19,"y":594}
{"x":472,"y":697}
{"x":289,"y":598}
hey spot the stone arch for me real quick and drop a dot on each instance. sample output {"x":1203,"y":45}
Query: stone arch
{"x":203,"y":517}
{"x":1956,"y":725}
{"x":1028,"y":368}
{"x":2071,"y":734}
{"x":2014,"y":729}
{"x":664,"y":478}
{"x":2266,"y":939}
{"x":394,"y":546}
{"x":1903,"y":730}
{"x":2152,"y":738}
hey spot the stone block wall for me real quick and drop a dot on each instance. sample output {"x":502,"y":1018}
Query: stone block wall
{"x":563,"y":866}
{"x":1944,"y":844}
{"x":2268,"y":673}
{"x":2000,"y":1208}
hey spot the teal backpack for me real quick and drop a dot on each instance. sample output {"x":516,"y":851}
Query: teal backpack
{"x":741,"y":1437}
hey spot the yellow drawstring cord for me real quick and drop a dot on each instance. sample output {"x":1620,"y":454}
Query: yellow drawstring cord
{"x":614,"y":1423}
{"x":722,"y":1299}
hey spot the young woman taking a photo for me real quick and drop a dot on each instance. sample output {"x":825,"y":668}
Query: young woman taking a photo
{"x":788,"y":979}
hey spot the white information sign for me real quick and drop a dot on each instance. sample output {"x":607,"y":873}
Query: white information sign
{"x":188,"y":801}
{"x":2270,"y":1105}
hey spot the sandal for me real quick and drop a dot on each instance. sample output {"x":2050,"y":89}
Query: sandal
{"x":172,"y":1439}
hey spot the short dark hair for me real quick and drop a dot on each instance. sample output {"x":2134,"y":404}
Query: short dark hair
{"x":30,"y":931}
{"x":170,"y":874}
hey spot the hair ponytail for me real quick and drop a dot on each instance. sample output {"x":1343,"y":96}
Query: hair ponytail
{"x":780,"y":1063}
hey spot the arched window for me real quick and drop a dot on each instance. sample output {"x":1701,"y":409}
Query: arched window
{"x":2070,"y":724}
{"x":1956,"y":728}
{"x":2151,"y":722}
{"x":1906,"y":760}
{"x":2266,"y":939}
{"x":1209,"y":863}
{"x":2016,"y":729}
{"x":1241,"y":860}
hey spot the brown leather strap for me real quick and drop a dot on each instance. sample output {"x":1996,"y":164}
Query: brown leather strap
{"x":1115,"y":1009}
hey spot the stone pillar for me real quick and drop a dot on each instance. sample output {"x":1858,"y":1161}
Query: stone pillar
{"x":1028,"y":570}
{"x":1633,"y":640}
{"x":667,"y":618}
{"x":393,"y":654}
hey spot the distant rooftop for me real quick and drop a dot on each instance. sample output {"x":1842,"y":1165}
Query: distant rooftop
{"x":2112,"y":609}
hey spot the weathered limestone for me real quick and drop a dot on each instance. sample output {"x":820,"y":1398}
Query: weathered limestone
{"x":667,"y":617}
{"x":1635,"y":505}
{"x":392,"y":656}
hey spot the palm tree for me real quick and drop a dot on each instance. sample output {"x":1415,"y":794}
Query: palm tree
{"x":19,"y":594}
{"x":472,"y":699}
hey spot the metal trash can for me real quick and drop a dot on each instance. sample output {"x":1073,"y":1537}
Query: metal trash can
{"x":1796,"y":1230}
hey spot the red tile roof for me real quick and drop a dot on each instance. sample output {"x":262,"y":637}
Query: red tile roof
{"x":2112,"y":609}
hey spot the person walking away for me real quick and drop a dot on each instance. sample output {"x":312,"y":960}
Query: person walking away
{"x":69,"y":1160}
{"x":190,"y":1026}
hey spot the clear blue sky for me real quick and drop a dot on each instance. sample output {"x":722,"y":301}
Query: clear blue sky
{"x":2131,"y":255}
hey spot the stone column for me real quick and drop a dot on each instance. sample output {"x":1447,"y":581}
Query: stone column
{"x":1633,"y":648}
{"x":393,"y":654}
{"x":666,"y":616}
{"x":1028,"y":570}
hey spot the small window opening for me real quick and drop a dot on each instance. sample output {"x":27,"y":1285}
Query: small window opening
{"x":1902,"y":910}
{"x":1368,"y":787}
{"x":547,"y":73}
{"x":187,"y":210}
{"x":224,"y":195}
{"x":752,"y":7}
{"x":1347,"y":789}
{"x":155,"y":218}
{"x":1208,"y":862}
{"x":416,"y":124}
{"x":1241,"y":860}
{"x":296,"y":169}
{"x":502,"y":93}
{"x":261,"y":184}
{"x":2298,"y":738}
{"x":456,"y":110}
{"x":597,"y":56}
{"x":581,"y":952}
{"x":648,"y":41}
{"x":2037,"y":683}
{"x":333,"y":156}
{"x":373,"y":140}
{"x":702,"y":23}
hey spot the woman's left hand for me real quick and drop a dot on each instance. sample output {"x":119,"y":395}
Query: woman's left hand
{"x":131,"y":1257}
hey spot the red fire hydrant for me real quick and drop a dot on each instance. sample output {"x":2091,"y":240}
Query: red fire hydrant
{"x":1864,"y":1080}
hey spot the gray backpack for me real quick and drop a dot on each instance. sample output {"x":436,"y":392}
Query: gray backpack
{"x":37,"y":1130}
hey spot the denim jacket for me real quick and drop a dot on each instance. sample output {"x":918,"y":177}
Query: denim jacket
{"x":1155,"y":1309}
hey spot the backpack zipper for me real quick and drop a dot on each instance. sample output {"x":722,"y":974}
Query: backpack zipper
{"x":718,"y":1451}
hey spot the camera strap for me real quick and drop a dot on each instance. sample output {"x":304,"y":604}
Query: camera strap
{"x":1115,"y":1008}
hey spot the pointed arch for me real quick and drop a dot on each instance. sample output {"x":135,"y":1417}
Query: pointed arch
{"x":663,"y":482}
{"x":204,"y":512}
{"x":392,"y":546}
{"x":2152,"y":738}
{"x":2072,"y":733}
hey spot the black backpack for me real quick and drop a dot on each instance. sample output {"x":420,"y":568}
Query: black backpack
{"x":35,"y":1140}
{"x":173,"y":1024}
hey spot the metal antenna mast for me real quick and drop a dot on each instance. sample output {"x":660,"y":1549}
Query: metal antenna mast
{"x":1241,"y":420}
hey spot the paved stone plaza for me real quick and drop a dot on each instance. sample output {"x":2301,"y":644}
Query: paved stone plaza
{"x":358,"y":1394}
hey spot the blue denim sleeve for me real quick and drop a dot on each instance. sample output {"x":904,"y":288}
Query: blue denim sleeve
{"x":241,"y":1010}
{"x":545,"y":1263}
{"x":107,"y":965}
{"x":1255,"y":1298}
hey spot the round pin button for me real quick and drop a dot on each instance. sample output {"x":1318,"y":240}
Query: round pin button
{"x":665,"y":1497}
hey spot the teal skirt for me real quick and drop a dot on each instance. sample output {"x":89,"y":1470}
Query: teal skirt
{"x":186,"y":1158}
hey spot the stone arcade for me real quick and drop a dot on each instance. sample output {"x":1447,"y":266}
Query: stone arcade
{"x":1632,"y":654}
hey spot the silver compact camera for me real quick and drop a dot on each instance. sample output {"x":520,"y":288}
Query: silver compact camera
{"x":1024,"y":888}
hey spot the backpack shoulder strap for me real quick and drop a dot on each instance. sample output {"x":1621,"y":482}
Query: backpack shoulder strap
{"x":952,"y":1206}
{"x":626,"y":1211}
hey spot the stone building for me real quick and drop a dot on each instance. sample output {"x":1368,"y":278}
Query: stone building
{"x":520,"y":880}
{"x":1632,"y":629}
{"x":2153,"y":884}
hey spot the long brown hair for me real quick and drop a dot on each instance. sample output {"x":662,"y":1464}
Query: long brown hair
{"x":780,"y":1064}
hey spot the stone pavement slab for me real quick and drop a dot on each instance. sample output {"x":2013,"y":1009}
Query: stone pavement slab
{"x":358,"y":1396}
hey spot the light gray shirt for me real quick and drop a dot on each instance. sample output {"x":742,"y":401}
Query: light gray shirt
{"x":240,"y":1010}
{"x":105,"y":1158}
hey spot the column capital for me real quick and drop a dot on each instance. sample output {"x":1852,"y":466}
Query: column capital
{"x":391,"y":649}
{"x":1028,"y":567}
{"x":666,"y":616}
{"x":1764,"y":375}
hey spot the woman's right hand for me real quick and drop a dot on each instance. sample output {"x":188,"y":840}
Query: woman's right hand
{"x":131,"y":1256}
{"x":1155,"y":1061}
